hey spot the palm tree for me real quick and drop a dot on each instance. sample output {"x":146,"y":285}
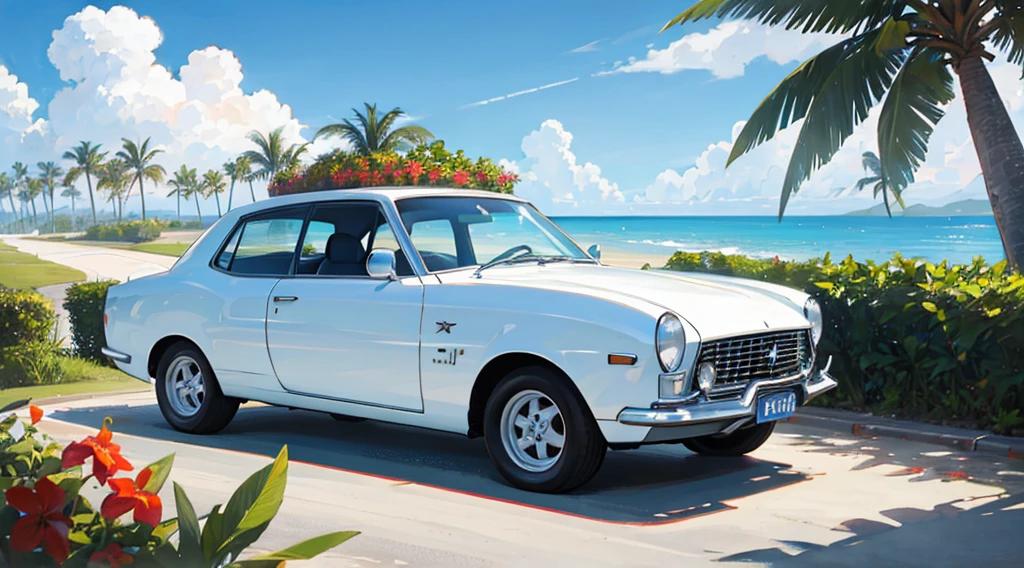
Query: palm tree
{"x":49,"y":173}
{"x":20,"y":178}
{"x":243,"y":169}
{"x":182,"y":183}
{"x":273,"y":156}
{"x":231,"y":169}
{"x":24,"y":196}
{"x":116,"y":177}
{"x":373,"y":134}
{"x":195,"y":189}
{"x":213,"y":184}
{"x":71,"y":193}
{"x":33,"y":189}
{"x":7,"y":190}
{"x":140,"y":158}
{"x":897,"y":53}
{"x":88,"y":160}
{"x":873,"y":167}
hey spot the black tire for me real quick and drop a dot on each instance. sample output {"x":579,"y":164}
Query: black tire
{"x":740,"y":442}
{"x":215,"y":410}
{"x":346,"y":418}
{"x":583,"y":446}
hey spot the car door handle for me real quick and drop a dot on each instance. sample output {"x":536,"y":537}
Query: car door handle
{"x":285,"y":298}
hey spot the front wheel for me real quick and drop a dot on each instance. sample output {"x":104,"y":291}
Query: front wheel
{"x":540,"y":435}
{"x":188,"y":393}
{"x":738,"y":443}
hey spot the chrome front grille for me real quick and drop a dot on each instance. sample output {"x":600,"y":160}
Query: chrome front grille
{"x":740,"y":360}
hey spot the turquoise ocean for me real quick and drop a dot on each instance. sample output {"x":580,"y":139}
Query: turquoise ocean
{"x":957,"y":239}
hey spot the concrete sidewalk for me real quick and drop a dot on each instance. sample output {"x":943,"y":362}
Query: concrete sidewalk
{"x":96,"y":262}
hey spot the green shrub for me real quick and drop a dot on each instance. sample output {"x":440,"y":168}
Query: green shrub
{"x":906,"y":336}
{"x":127,"y":231}
{"x":31,"y":363}
{"x":187,"y":225}
{"x":85,"y":303}
{"x":24,"y":316}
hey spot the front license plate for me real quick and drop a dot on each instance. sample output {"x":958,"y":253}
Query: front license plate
{"x":776,"y":406}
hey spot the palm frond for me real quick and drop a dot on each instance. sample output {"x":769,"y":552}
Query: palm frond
{"x":1008,"y":34}
{"x":831,"y":16}
{"x":864,"y":182}
{"x":869,"y":161}
{"x":909,"y":114}
{"x":844,"y":96}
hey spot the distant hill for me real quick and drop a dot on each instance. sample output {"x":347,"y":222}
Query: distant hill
{"x":957,"y":208}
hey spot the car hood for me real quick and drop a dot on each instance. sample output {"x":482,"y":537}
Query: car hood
{"x":715,"y":306}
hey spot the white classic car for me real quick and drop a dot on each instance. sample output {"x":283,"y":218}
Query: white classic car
{"x":469,"y":312}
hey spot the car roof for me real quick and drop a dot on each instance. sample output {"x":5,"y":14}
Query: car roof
{"x":374,"y":193}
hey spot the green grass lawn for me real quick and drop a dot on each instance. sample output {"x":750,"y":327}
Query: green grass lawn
{"x":22,"y":270}
{"x":88,"y":378}
{"x":168,"y":249}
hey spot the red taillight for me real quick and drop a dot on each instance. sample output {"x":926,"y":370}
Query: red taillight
{"x":106,"y":319}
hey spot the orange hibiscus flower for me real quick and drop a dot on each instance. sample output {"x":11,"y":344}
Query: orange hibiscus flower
{"x":128,"y":497}
{"x":112,"y":556}
{"x":106,"y":456}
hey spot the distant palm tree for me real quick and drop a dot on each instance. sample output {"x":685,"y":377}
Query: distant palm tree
{"x":182,"y":183}
{"x":7,"y":190}
{"x":243,"y":169}
{"x":116,"y":177}
{"x":140,"y":159}
{"x":33,"y":189}
{"x":372,"y":134}
{"x":24,"y":197}
{"x":873,"y":166}
{"x":20,"y":178}
{"x":213,"y":184}
{"x":88,"y":160}
{"x":71,"y":193}
{"x":897,"y":54}
{"x":50,"y":174}
{"x":272,"y":156}
{"x":231,"y":169}
{"x":195,"y":189}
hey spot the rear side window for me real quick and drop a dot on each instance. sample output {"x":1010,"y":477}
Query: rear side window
{"x":263,"y":245}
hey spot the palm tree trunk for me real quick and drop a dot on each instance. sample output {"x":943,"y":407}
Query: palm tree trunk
{"x":14,"y":210}
{"x":231,"y":193}
{"x":92,"y":201}
{"x":73,"y":220}
{"x":35,"y":218}
{"x":251,"y":192}
{"x":1000,"y":152}
{"x":53,"y":213}
{"x":142,"y":195}
{"x":198,"y":212}
{"x":216,"y":197}
{"x":178,"y":195}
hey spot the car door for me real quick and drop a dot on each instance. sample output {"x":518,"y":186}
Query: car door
{"x":334,"y":332}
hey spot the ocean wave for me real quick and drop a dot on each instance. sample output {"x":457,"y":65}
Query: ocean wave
{"x":695,"y":247}
{"x":972,"y":226}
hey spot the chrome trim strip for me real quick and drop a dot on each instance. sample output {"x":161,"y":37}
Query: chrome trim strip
{"x":116,"y":355}
{"x":693,"y":412}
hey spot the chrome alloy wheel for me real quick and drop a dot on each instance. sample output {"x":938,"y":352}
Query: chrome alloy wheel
{"x":533,"y":431}
{"x":184,"y":386}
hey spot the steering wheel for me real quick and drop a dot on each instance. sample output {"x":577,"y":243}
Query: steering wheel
{"x":511,"y":252}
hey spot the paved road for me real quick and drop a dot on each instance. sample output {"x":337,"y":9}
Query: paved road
{"x":96,"y":262}
{"x":809,"y":497}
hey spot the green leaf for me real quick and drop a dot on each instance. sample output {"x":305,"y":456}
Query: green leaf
{"x":806,"y":15}
{"x":309,"y":548}
{"x":15,"y":405}
{"x":929,"y":306}
{"x":254,"y":504}
{"x":164,"y":530}
{"x":893,"y":35}
{"x":909,"y":115}
{"x":825,"y":285}
{"x":188,"y":547}
{"x":8,"y":516}
{"x":213,"y":532}
{"x":161,"y":469}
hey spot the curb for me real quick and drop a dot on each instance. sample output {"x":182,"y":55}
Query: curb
{"x":969,"y":442}
{"x":70,"y":398}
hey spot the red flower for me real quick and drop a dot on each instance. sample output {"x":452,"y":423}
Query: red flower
{"x":482,"y":176}
{"x":378,"y":179}
{"x":106,"y":456}
{"x":44,"y":521}
{"x":415,"y":169}
{"x":128,"y":497}
{"x":36,"y":413}
{"x":434,"y":175}
{"x":387,"y":169}
{"x":505,"y":178}
{"x":460,"y":177}
{"x":112,"y":555}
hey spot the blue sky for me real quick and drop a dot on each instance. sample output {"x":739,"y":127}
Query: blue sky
{"x":643,"y":121}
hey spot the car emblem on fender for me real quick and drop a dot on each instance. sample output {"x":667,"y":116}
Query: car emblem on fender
{"x":445,"y":327}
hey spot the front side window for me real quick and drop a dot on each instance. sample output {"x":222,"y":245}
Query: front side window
{"x":340,"y":237}
{"x":481,"y":230}
{"x":263,"y":245}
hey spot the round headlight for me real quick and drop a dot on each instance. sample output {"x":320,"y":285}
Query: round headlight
{"x":670,"y":341}
{"x":812,"y":311}
{"x":706,"y":377}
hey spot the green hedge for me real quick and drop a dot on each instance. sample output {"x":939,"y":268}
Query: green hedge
{"x":85,"y":303}
{"x":908,"y":337}
{"x":24,"y":316}
{"x":127,"y":231}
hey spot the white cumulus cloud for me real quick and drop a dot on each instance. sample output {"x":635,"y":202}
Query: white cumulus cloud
{"x":552,"y":177}
{"x":727,"y":49}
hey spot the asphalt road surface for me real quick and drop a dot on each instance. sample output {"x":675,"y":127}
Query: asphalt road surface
{"x":809,"y":497}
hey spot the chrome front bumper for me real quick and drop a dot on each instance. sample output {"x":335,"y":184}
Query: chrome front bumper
{"x":116,"y":355}
{"x":694,"y":409}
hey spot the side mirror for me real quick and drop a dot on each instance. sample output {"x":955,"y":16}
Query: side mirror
{"x":595,"y":252}
{"x":380,"y":265}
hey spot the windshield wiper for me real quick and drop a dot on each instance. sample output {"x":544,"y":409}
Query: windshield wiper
{"x":540,"y":260}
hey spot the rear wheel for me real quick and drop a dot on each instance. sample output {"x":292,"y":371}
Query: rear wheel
{"x":540,"y":435}
{"x":188,"y":393}
{"x":738,"y":443}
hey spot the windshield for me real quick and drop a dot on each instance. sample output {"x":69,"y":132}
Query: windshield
{"x":457,"y":232}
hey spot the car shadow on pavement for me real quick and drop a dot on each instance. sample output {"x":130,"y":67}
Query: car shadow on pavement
{"x":653,"y":485}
